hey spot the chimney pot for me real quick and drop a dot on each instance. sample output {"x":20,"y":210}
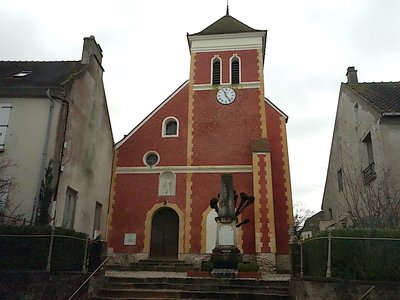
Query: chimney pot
{"x":352,"y":75}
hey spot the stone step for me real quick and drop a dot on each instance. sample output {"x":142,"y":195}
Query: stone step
{"x":272,"y":290}
{"x":179,"y":294}
{"x":154,"y":265}
{"x":201,"y":281}
{"x":191,"y":288}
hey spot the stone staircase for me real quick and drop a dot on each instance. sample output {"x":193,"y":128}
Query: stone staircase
{"x":167,"y":279}
{"x":191,"y":288}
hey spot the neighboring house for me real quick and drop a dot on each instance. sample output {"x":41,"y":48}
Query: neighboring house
{"x":311,"y":226}
{"x":55,"y":114}
{"x":169,"y":167}
{"x":365,"y":147}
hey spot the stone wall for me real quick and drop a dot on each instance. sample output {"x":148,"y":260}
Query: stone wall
{"x":41,"y":285}
{"x":336,"y":289}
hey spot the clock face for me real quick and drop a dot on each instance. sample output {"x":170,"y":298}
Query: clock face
{"x":226,"y":95}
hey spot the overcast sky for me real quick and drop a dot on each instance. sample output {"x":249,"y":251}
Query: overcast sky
{"x":310,"y":44}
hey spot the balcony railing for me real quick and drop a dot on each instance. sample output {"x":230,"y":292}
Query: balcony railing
{"x":369,"y":173}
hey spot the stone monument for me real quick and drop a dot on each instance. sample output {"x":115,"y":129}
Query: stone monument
{"x":225,"y":256}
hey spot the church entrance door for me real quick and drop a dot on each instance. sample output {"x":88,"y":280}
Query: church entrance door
{"x":164,"y":234}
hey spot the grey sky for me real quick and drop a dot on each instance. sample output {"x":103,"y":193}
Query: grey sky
{"x":310,"y":44}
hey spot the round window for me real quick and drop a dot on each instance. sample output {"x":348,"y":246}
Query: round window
{"x":151,"y":158}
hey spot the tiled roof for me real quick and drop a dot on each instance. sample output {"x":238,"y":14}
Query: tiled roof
{"x":384,"y":96}
{"x":40,"y":76}
{"x":226,"y":24}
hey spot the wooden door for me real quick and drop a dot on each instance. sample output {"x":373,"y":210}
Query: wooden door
{"x":164,"y":234}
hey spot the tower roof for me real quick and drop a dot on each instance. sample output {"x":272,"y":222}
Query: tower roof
{"x":226,"y":24}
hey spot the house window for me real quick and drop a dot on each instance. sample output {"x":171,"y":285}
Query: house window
{"x":369,"y":172}
{"x":69,"y":208}
{"x":167,"y":184}
{"x":340,"y":179}
{"x":151,"y":158}
{"x":97,"y":219}
{"x":235,"y":70}
{"x":216,"y":70}
{"x":4,"y":189}
{"x":5,"y":109}
{"x":170,"y":127}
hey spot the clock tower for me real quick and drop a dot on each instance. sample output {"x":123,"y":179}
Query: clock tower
{"x":218,"y":122}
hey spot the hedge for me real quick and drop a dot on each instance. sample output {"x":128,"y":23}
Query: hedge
{"x":355,"y":258}
{"x":31,"y":253}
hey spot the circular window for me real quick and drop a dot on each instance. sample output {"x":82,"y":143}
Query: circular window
{"x":151,"y":158}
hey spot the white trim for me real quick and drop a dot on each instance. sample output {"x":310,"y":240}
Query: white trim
{"x":276,"y":108}
{"x":186,"y":169}
{"x":164,"y":128}
{"x":242,"y":85}
{"x":225,"y":42}
{"x":117,"y":145}
{"x":147,"y":154}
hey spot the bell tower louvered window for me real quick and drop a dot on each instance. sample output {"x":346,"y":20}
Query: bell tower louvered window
{"x":216,"y":71}
{"x":235,"y":70}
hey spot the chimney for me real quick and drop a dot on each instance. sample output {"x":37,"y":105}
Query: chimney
{"x":351,"y":75}
{"x":90,"y":47}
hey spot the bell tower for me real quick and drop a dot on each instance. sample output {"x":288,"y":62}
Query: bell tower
{"x":228,"y":123}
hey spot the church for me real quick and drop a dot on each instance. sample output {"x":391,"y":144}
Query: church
{"x":169,"y":166}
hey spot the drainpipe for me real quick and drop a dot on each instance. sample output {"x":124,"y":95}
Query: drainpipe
{"x":44,"y":157}
{"x":53,"y":212}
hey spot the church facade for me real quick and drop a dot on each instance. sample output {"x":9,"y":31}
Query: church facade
{"x":168,"y":168}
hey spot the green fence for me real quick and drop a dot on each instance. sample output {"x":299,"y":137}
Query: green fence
{"x":348,"y":257}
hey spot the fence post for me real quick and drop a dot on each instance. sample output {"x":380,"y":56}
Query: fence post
{"x":84,"y":266}
{"x":328,"y":264}
{"x":301,"y":259}
{"x":48,"y":267}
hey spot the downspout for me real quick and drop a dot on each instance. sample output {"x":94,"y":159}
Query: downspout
{"x":44,"y":157}
{"x":53,"y":211}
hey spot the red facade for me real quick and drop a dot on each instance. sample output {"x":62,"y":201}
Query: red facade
{"x":212,"y":139}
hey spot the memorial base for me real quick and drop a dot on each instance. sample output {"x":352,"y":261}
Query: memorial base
{"x":226,"y":257}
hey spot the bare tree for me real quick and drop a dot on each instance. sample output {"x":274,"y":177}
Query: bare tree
{"x":8,"y":209}
{"x":301,"y":214}
{"x":372,"y":203}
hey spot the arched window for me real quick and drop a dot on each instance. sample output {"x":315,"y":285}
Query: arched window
{"x":167,"y":184}
{"x":170,"y":127}
{"x":216,"y":70}
{"x":235,"y":70}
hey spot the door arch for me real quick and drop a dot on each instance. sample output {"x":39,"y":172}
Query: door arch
{"x":164,"y":234}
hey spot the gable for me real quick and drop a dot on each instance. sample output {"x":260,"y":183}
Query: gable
{"x":155,"y":111}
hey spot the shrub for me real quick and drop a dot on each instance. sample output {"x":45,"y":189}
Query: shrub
{"x":207,"y":266}
{"x":248,"y":267}
{"x":31,"y":251}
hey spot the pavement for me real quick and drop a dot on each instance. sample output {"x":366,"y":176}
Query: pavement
{"x":161,"y":274}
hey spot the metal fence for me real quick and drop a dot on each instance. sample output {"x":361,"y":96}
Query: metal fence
{"x":347,"y":257}
{"x":20,"y":252}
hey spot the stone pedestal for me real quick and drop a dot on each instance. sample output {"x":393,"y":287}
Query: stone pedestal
{"x":226,"y":255}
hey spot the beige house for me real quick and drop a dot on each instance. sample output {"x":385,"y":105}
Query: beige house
{"x":364,"y":151}
{"x":54,"y":114}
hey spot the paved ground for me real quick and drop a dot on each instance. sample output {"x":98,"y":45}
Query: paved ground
{"x":157,"y":274}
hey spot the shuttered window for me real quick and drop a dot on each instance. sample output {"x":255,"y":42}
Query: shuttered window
{"x":5,"y":109}
{"x":216,"y":71}
{"x":235,"y":70}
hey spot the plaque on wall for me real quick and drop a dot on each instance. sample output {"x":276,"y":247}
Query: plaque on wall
{"x":130,"y":239}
